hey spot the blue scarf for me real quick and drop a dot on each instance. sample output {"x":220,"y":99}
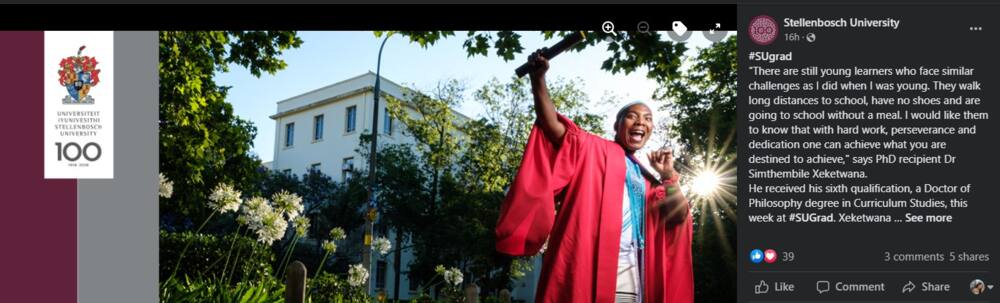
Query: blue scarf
{"x":637,"y":200}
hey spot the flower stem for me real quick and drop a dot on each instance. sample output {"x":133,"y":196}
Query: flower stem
{"x":239,"y":252}
{"x":231,"y":246}
{"x":186,"y":246}
{"x":288,"y":255}
{"x":428,"y":285}
{"x":321,"y":262}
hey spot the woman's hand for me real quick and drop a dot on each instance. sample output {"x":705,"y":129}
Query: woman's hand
{"x":663,"y":162}
{"x":539,"y":65}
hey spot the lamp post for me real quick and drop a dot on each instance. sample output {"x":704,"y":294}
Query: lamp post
{"x":372,"y":213}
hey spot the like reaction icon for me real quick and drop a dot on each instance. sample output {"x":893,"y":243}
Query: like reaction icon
{"x":756,"y":256}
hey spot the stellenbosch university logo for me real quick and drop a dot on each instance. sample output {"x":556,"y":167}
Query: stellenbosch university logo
{"x":79,"y":74}
{"x":79,"y":105}
{"x":763,"y":30}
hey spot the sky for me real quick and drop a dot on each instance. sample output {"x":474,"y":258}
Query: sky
{"x":329,"y":57}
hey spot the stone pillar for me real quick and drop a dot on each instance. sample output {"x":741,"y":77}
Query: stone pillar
{"x":472,"y":293}
{"x":504,"y":296}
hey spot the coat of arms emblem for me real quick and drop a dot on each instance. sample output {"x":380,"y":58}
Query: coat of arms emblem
{"x":78,"y":74}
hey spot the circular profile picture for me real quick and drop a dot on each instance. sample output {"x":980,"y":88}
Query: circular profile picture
{"x":763,"y":30}
{"x":977,"y":287}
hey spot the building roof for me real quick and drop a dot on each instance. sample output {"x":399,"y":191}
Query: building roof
{"x":340,"y":90}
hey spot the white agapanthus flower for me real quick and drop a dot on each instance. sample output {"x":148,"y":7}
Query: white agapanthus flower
{"x":357,"y":275}
{"x":329,"y":247}
{"x":381,"y":245}
{"x":166,"y":187}
{"x":252,"y":211}
{"x":337,"y":234}
{"x":453,"y":276}
{"x":287,"y":203}
{"x":272,"y":226}
{"x":225,"y":198}
{"x":301,"y":226}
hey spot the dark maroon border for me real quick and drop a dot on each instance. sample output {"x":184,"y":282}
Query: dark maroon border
{"x":37,"y":216}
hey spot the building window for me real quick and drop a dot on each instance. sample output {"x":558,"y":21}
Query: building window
{"x":413,"y":283}
{"x":352,"y":114}
{"x":387,"y":123}
{"x":317,"y":128}
{"x":289,"y":134}
{"x":347,"y":169}
{"x":314,"y":167}
{"x":380,"y":274}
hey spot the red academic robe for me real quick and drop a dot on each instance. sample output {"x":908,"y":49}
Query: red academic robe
{"x":587,"y":173}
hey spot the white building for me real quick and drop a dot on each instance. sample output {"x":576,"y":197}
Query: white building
{"x":321,"y":129}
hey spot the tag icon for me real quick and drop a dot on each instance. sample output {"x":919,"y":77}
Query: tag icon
{"x":679,"y":28}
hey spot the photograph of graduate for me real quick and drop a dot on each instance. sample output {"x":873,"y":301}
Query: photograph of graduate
{"x":419,"y":167}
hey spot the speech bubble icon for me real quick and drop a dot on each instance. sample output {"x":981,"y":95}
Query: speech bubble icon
{"x":679,"y":28}
{"x":822,"y":286}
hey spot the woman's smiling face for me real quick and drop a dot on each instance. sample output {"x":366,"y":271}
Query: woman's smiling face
{"x":634,"y":128}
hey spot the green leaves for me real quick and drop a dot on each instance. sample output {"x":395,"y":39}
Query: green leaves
{"x":703,"y":101}
{"x":201,"y":260}
{"x":216,"y":290}
{"x":477,"y":44}
{"x":202,"y":142}
{"x":260,"y":51}
{"x":329,"y":288}
{"x":630,"y":51}
{"x":422,"y":38}
{"x":434,"y":126}
{"x":508,"y":44}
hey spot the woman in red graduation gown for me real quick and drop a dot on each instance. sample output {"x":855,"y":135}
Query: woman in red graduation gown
{"x":620,"y":235}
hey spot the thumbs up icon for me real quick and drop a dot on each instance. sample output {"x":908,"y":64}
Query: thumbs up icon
{"x":761,"y":288}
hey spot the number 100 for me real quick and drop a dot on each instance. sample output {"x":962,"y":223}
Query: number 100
{"x":72,"y":151}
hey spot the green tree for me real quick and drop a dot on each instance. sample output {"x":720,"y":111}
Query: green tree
{"x":435,"y":128}
{"x":494,"y":144}
{"x":318,"y":193}
{"x":202,"y":142}
{"x":703,"y":101}
{"x":275,"y":181}
{"x":347,"y":211}
{"x":435,"y":125}
{"x":403,"y":194}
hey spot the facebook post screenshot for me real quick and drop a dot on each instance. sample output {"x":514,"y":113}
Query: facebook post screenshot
{"x":361,"y":153}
